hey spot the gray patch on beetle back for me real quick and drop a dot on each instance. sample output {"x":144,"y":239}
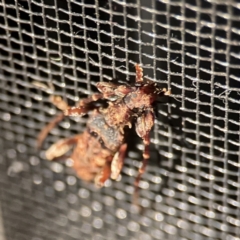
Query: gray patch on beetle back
{"x":111,"y":136}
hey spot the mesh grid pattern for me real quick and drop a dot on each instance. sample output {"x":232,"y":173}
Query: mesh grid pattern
{"x":191,"y":189}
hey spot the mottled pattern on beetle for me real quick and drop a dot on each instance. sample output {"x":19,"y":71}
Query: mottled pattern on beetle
{"x":98,"y":153}
{"x":110,"y":135}
{"x":118,"y":114}
{"x":139,"y":99}
{"x":89,"y":157}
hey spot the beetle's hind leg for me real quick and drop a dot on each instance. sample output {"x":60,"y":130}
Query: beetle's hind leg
{"x":61,"y":147}
{"x":117,"y":162}
{"x":103,"y":175}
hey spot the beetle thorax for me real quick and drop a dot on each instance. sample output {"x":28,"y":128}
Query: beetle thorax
{"x":139,"y":100}
{"x":118,"y":114}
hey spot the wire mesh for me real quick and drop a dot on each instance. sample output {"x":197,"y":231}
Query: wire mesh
{"x":191,"y":189}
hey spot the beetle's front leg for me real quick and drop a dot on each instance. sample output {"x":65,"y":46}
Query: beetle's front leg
{"x":93,"y":98}
{"x":84,"y":108}
{"x":78,"y":111}
{"x":67,"y":111}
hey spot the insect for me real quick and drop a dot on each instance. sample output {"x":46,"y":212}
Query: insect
{"x":98,"y":153}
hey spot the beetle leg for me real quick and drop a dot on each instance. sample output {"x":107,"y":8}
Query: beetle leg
{"x":117,"y":162}
{"x":61,"y":147}
{"x":142,"y":169}
{"x":44,"y":132}
{"x":143,"y":127}
{"x":103,"y":175}
{"x":90,"y":99}
{"x":67,"y":111}
{"x":139,"y":73}
{"x":83,"y":106}
{"x":78,"y":111}
{"x":56,"y":100}
{"x":59,"y":102}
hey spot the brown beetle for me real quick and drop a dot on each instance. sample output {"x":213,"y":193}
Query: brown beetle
{"x":100,"y":150}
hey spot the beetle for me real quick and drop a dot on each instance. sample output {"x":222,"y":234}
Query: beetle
{"x":98,"y":153}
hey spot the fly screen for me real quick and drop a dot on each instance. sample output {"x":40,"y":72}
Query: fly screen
{"x":191,"y":186}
